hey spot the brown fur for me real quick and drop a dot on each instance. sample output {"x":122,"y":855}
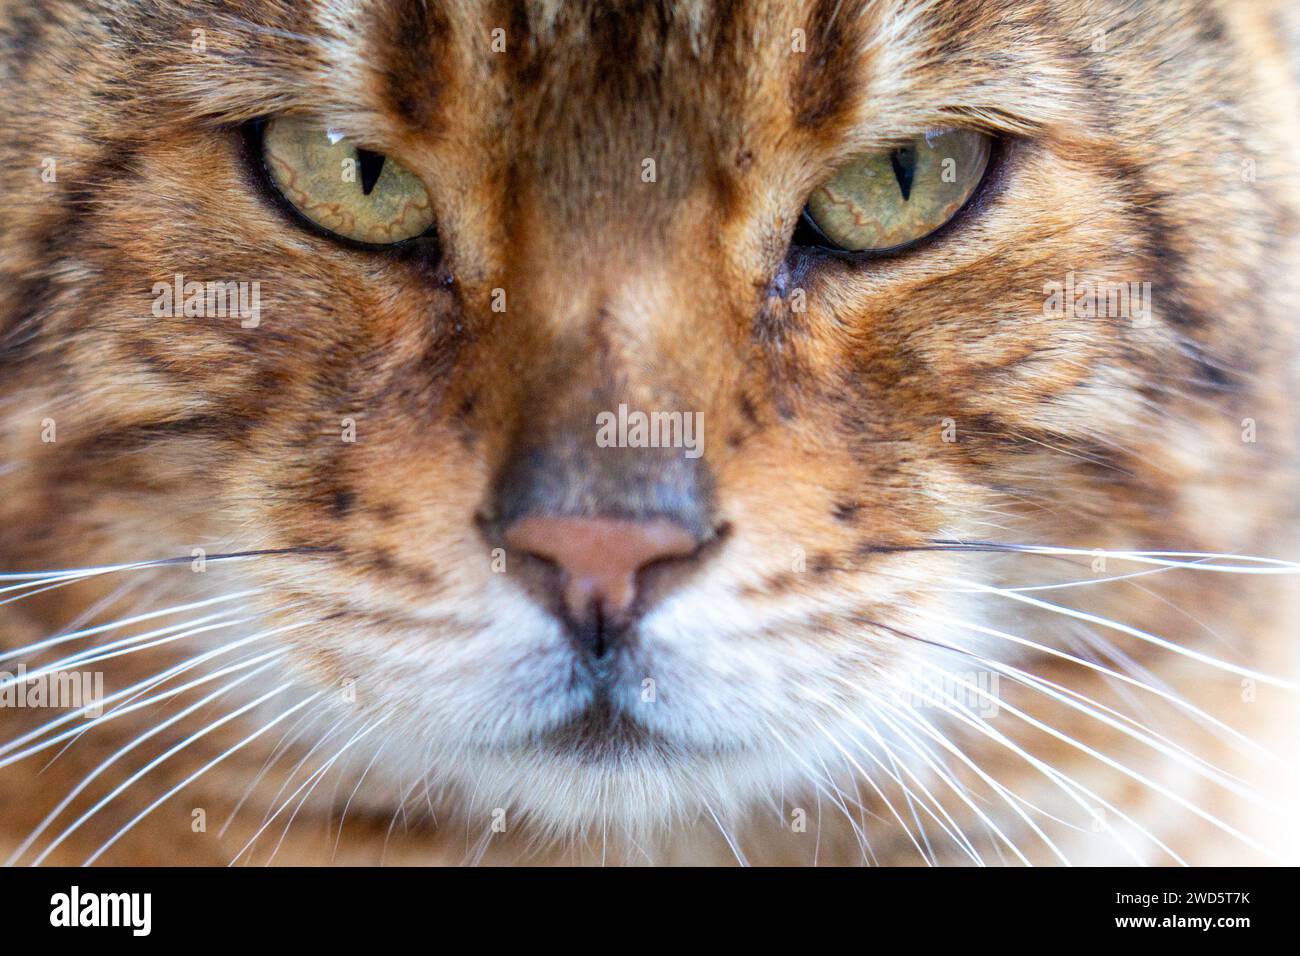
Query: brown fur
{"x":825,"y":426}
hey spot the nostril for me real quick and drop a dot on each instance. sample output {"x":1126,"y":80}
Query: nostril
{"x":598,"y":558}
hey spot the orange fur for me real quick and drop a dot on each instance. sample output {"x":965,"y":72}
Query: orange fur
{"x":1124,"y":133}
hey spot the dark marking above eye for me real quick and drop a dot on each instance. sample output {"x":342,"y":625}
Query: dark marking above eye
{"x":747,"y":409}
{"x":903,"y":160}
{"x":822,"y":563}
{"x":343,"y":502}
{"x":846,"y":511}
{"x":372,"y":164}
{"x":827,"y":79}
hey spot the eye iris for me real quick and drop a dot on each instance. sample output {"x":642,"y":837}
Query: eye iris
{"x":353,"y":192}
{"x":884,"y":200}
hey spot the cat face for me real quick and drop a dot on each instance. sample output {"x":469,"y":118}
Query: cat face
{"x":628,"y":485}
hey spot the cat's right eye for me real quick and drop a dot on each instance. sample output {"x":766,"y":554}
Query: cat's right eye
{"x":359,"y":195}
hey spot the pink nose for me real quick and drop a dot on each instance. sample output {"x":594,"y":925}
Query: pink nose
{"x":599,"y":557}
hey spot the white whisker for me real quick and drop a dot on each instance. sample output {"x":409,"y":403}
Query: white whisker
{"x":317,"y":775}
{"x":114,"y":714}
{"x":726,"y":835}
{"x":125,"y":622}
{"x":1165,"y":695}
{"x":943,"y":775}
{"x":1098,"y":711}
{"x":343,"y":816}
{"x":933,"y":733}
{"x":269,"y":659}
{"x":1140,"y":634}
{"x":1122,"y":768}
{"x":210,"y":764}
{"x":1065,"y":783}
{"x":1170,"y":559}
{"x":129,"y":645}
{"x":285,"y":744}
{"x":871,"y":783}
{"x":957,"y":837}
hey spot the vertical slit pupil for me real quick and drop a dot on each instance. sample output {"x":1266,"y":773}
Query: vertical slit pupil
{"x":903,"y":160}
{"x":372,"y":164}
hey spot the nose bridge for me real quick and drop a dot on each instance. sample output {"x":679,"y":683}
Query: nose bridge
{"x":573,"y":456}
{"x":567,"y":273}
{"x":604,"y":314}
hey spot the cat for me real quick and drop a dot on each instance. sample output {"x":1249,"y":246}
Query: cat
{"x":801,"y":432}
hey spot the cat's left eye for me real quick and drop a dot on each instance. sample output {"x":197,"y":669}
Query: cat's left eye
{"x":354,"y":193}
{"x":883,"y":201}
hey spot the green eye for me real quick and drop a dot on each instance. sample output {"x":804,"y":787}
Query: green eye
{"x":881,"y":201}
{"x":346,"y":190}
